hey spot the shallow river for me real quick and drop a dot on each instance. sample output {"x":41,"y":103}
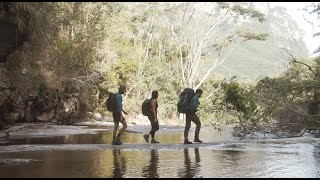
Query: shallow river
{"x":220,"y":155}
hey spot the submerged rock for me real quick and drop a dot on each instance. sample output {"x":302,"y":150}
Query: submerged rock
{"x":45,"y":116}
{"x":6,"y":162}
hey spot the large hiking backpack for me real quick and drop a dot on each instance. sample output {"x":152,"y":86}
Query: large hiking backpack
{"x":111,"y":102}
{"x":146,"y":107}
{"x":184,"y":100}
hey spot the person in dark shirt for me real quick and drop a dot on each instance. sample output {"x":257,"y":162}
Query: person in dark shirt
{"x":153,"y":118}
{"x":192,"y":116}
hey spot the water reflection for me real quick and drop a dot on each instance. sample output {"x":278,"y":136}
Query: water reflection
{"x":254,"y":161}
{"x":272,"y":159}
{"x":232,"y":157}
{"x":151,"y":170}
{"x":316,"y":155}
{"x":119,"y":164}
{"x":190,"y":169}
{"x":99,"y":138}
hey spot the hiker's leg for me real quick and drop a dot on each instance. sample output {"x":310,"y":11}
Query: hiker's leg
{"x":115,"y":129}
{"x":155,"y":127}
{"x":186,"y":129}
{"x":124,"y":126}
{"x":196,"y":120}
{"x":116,"y":124}
{"x":151,"y":123}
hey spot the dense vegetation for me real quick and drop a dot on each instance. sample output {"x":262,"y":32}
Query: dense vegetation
{"x":92,"y":48}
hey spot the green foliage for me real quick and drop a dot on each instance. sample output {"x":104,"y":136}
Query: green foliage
{"x":251,"y":36}
{"x":240,"y":100}
{"x":291,"y":99}
{"x":250,"y":12}
{"x":124,"y":70}
{"x":314,"y":9}
{"x":98,"y":46}
{"x":223,"y":5}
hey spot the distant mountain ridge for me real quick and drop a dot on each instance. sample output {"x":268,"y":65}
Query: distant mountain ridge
{"x":255,"y":59}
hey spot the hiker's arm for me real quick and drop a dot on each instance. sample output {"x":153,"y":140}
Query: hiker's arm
{"x":153,"y":108}
{"x":124,"y":112}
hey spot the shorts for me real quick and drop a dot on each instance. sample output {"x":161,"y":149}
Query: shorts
{"x":117,"y":117}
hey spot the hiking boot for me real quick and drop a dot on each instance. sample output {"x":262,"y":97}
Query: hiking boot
{"x":146,"y":137}
{"x":198,"y":141}
{"x":187,"y":142}
{"x":116,"y":141}
{"x":154,"y":141}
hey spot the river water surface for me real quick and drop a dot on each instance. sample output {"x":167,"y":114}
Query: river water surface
{"x":220,"y":155}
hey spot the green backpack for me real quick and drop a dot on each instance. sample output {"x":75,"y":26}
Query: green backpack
{"x":183,"y":104}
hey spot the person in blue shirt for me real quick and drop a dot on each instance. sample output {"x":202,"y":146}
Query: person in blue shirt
{"x":192,"y":116}
{"x":118,"y":117}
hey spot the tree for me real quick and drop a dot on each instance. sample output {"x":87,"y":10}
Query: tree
{"x":314,"y":8}
{"x":213,"y":36}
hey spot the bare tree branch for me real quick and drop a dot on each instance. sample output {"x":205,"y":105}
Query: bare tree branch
{"x":210,"y":70}
{"x":295,"y":61}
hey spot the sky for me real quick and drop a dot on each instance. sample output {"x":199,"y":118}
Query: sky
{"x":295,"y":10}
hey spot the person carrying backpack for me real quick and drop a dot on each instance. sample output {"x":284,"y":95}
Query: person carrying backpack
{"x":118,"y":117}
{"x":192,"y":116}
{"x":153,"y":118}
